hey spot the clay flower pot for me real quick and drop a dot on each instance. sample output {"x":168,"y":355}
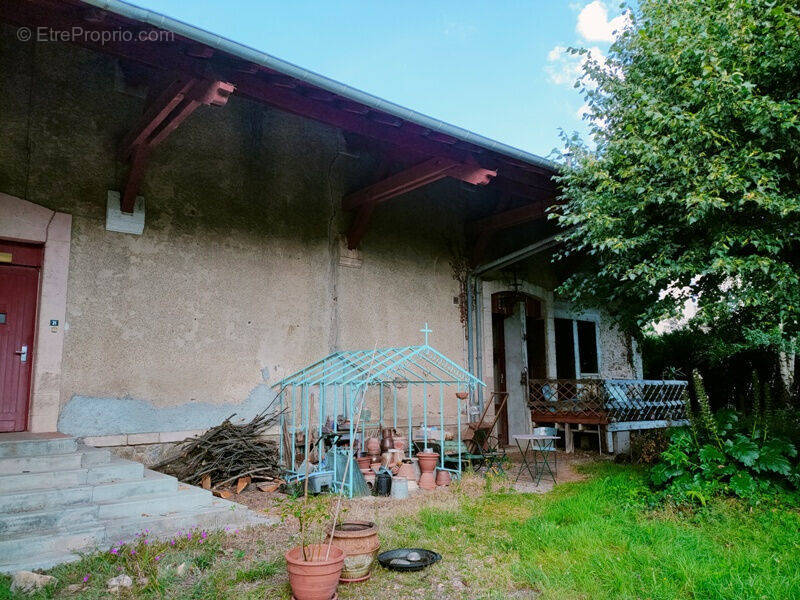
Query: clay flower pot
{"x":400,"y":442}
{"x":359,"y":542}
{"x":314,"y":579}
{"x":427,"y":461}
{"x":373,"y":446}
{"x":443,"y":477}
{"x":427,"y":481}
{"x":407,"y":470}
{"x":462,"y":395}
{"x":363,"y":462}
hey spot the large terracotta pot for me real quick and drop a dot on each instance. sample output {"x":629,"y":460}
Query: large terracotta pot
{"x":443,"y":477}
{"x":427,"y":461}
{"x":359,"y":541}
{"x":363,"y":462}
{"x":407,"y":470}
{"x":317,"y":579}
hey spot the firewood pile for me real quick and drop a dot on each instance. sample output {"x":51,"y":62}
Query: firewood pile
{"x":227,"y":454}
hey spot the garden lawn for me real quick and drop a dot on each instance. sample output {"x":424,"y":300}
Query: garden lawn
{"x":595,"y":538}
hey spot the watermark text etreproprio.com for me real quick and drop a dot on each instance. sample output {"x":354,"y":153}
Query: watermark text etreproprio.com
{"x":95,"y":36}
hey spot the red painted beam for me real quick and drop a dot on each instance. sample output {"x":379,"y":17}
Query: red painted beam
{"x":485,"y":228}
{"x":364,"y":201}
{"x":511,"y":218}
{"x":416,"y":177}
{"x":163,"y":116}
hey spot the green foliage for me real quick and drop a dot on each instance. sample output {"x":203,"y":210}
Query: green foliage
{"x":693,"y":186}
{"x":310,"y":512}
{"x":735,"y":464}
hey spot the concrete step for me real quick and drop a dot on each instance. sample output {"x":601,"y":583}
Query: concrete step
{"x":40,"y":464}
{"x":15,"y":445}
{"x":83,"y":457}
{"x":217,"y":516}
{"x":152,"y":482}
{"x":36,"y":500}
{"x":52,"y":518}
{"x":150,"y":505}
{"x":32,"y":500}
{"x":43,"y":561}
{"x":15,"y":547}
{"x":115,"y":470}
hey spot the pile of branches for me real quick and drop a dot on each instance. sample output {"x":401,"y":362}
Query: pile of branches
{"x":226,"y":453}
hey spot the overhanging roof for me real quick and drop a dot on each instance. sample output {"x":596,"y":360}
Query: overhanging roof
{"x":320,"y":81}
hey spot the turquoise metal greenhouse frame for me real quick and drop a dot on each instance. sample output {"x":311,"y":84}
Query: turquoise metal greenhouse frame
{"x":341,"y":381}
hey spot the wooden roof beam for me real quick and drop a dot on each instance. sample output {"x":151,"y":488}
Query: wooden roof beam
{"x":365,"y":200}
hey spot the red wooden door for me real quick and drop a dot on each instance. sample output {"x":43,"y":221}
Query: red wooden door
{"x":19,"y":286}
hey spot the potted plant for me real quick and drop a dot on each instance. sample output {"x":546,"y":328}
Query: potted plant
{"x":314,"y":568}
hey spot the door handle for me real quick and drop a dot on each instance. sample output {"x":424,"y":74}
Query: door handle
{"x":23,"y":354}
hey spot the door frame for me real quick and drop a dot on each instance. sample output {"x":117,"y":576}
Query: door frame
{"x":26,"y":222}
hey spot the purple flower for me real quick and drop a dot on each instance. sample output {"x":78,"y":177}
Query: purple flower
{"x":172,"y":542}
{"x":86,"y":578}
{"x":114,"y":551}
{"x":204,"y":535}
{"x":158,"y":558}
{"x":133,"y":551}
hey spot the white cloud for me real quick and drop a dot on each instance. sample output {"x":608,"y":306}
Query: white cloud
{"x":594,"y":25}
{"x":564,"y":68}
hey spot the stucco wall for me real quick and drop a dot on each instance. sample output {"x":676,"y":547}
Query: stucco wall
{"x":236,"y":279}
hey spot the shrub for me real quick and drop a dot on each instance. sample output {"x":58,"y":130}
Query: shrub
{"x":724,"y":454}
{"x":647,"y":446}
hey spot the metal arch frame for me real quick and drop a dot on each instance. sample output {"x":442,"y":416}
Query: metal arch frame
{"x":341,"y":380}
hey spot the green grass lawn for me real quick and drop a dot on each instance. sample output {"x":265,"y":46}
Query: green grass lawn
{"x":589,"y":539}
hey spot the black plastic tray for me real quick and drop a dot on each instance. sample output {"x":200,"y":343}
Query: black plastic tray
{"x":428,"y":558}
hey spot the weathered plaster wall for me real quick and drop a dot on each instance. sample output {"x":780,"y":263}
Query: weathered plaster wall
{"x":236,"y":279}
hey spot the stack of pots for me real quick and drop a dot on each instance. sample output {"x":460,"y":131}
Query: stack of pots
{"x":427,"y":464}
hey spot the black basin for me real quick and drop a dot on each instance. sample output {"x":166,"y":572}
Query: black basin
{"x":400,"y":556}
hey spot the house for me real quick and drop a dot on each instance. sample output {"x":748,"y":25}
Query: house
{"x":185,"y":220}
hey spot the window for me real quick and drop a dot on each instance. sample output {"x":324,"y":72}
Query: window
{"x":576,"y":348}
{"x":565,"y":349}
{"x":587,"y":347}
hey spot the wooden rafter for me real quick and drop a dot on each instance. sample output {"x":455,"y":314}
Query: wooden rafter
{"x":365,"y":200}
{"x":164,"y":114}
{"x":486,"y":227}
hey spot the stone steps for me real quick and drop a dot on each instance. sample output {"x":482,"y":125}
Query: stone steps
{"x":59,"y":497}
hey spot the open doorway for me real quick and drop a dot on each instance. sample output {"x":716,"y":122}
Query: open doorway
{"x":519,"y":352}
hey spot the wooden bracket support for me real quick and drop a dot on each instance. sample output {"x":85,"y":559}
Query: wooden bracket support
{"x":364,"y":201}
{"x":164,"y":114}
{"x":484,"y":229}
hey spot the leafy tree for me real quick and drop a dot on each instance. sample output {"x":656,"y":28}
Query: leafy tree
{"x":693,"y":187}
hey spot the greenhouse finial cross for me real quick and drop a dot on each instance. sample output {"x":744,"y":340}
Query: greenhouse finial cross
{"x":426,"y":330}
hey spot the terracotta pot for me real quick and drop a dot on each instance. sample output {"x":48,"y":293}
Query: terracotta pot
{"x":462,"y":395}
{"x":314,"y":580}
{"x":427,"y":481}
{"x":374,"y":466}
{"x":363,"y":462}
{"x":427,"y":461}
{"x":400,"y":442}
{"x":387,"y":441}
{"x":407,"y":470}
{"x":443,"y":477}
{"x":373,"y":446}
{"x":359,"y":542}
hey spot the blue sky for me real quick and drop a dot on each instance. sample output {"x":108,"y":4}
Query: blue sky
{"x":496,"y":67}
